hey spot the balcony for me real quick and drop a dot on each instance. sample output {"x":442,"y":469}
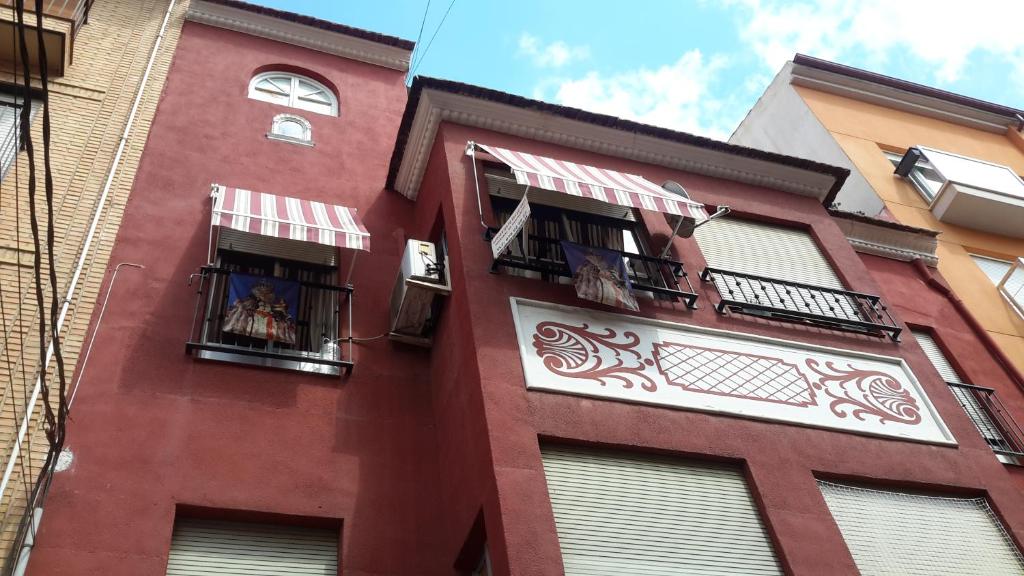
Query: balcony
{"x":62,"y":19}
{"x":318,"y":332}
{"x":803,"y":303}
{"x":646,"y":273}
{"x":966,"y":191}
{"x":996,"y":425}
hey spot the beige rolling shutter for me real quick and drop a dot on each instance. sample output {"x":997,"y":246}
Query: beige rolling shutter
{"x":967,"y":399}
{"x":938,"y":359}
{"x":765,"y":250}
{"x":909,"y":534}
{"x":993,"y":268}
{"x":207,"y":547}
{"x":620,"y":515}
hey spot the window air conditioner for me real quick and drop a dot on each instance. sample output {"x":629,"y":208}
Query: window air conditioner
{"x":415,"y":303}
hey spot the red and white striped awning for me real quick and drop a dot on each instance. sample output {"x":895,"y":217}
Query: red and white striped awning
{"x":289,"y":218}
{"x":601,"y":184}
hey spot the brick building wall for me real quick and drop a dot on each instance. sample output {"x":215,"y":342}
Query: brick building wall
{"x":90,"y":106}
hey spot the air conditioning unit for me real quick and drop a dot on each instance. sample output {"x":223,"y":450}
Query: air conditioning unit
{"x":415,"y":300}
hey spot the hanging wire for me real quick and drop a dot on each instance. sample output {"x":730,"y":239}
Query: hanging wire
{"x":54,"y":423}
{"x":419,"y":36}
{"x":423,"y":55}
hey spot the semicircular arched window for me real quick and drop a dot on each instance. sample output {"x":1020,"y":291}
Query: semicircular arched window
{"x":293,"y":90}
{"x":292,"y":128}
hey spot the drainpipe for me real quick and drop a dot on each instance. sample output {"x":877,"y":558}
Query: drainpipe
{"x":84,"y":255}
{"x":979,"y":330}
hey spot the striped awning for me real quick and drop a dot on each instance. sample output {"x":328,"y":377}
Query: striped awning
{"x":601,"y":184}
{"x":289,"y":218}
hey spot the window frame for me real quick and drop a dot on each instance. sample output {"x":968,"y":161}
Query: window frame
{"x":293,"y":100}
{"x":307,"y":128}
{"x":917,"y":177}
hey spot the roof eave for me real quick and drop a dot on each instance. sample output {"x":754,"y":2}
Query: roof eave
{"x":432,"y":101}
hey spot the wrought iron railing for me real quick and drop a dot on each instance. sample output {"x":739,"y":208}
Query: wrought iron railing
{"x":77,"y":11}
{"x":318,"y":345}
{"x":646,"y":273}
{"x":797,"y":302}
{"x":996,"y":425}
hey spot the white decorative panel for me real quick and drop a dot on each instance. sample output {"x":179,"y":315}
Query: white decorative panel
{"x":591,"y":353}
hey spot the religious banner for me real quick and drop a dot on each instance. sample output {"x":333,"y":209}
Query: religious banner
{"x":262,"y":307}
{"x":511,"y":228}
{"x":600,"y":275}
{"x":626,"y":358}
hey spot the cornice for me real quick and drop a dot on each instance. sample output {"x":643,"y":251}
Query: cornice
{"x":890,"y":97}
{"x":435,"y":107}
{"x":311,"y":37}
{"x":890,"y":243}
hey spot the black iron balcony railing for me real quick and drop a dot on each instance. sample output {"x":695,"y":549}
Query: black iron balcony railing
{"x":646,"y":273}
{"x":318,"y":330}
{"x":805,"y":303}
{"x":996,"y":425}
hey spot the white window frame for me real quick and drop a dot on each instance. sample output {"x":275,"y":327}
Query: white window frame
{"x":917,"y":177}
{"x":1015,"y":268}
{"x":291,"y":99}
{"x":307,"y":129}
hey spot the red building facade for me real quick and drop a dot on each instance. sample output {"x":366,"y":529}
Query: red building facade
{"x":465,"y":456}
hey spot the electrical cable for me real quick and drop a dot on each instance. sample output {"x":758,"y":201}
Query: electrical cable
{"x":412,"y":72}
{"x":419,"y":36}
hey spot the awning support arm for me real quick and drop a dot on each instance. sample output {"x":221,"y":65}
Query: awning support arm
{"x":722,"y":211}
{"x":471,"y":152}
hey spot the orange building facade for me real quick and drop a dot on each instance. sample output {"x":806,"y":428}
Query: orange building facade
{"x":868,"y":123}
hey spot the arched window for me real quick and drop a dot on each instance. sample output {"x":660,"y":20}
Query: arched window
{"x":292,"y":128}
{"x":295,"y":91}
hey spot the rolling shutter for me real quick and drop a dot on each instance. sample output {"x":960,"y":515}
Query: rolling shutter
{"x":10,"y":129}
{"x":765,"y":250}
{"x":965,"y":396}
{"x":620,"y":515}
{"x":207,"y":547}
{"x":993,"y":268}
{"x":897,"y":532}
{"x":938,"y":359}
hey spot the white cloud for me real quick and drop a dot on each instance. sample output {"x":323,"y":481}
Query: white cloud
{"x":942,"y":33}
{"x":676,"y":96}
{"x":553,"y":55}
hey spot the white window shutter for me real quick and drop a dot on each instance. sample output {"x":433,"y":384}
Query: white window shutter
{"x":910,"y":534}
{"x":765,"y":250}
{"x":619,"y":515}
{"x":967,"y":399}
{"x":993,"y":268}
{"x":10,"y":130}
{"x":207,"y":547}
{"x":937,"y":358}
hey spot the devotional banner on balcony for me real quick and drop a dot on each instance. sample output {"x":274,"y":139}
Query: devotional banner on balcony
{"x":262,"y":307}
{"x":591,"y":353}
{"x":600,"y":275}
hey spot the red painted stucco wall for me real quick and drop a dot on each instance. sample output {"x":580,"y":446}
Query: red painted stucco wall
{"x":153,"y":428}
{"x":410,"y":450}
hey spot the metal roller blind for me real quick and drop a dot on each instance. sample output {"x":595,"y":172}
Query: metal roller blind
{"x":208,"y":547}
{"x":938,"y":359}
{"x":765,"y":250}
{"x":311,"y":252}
{"x":619,"y":514}
{"x":993,"y":268}
{"x":905,"y":533}
{"x":501,"y":183}
{"x":967,"y":399}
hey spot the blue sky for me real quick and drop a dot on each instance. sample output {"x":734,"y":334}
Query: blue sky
{"x":698,"y":65}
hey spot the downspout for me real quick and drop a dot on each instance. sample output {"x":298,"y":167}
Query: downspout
{"x":979,"y":330}
{"x":83,"y":256}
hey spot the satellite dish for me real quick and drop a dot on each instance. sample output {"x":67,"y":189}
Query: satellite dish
{"x":675,"y":188}
{"x":685,"y":228}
